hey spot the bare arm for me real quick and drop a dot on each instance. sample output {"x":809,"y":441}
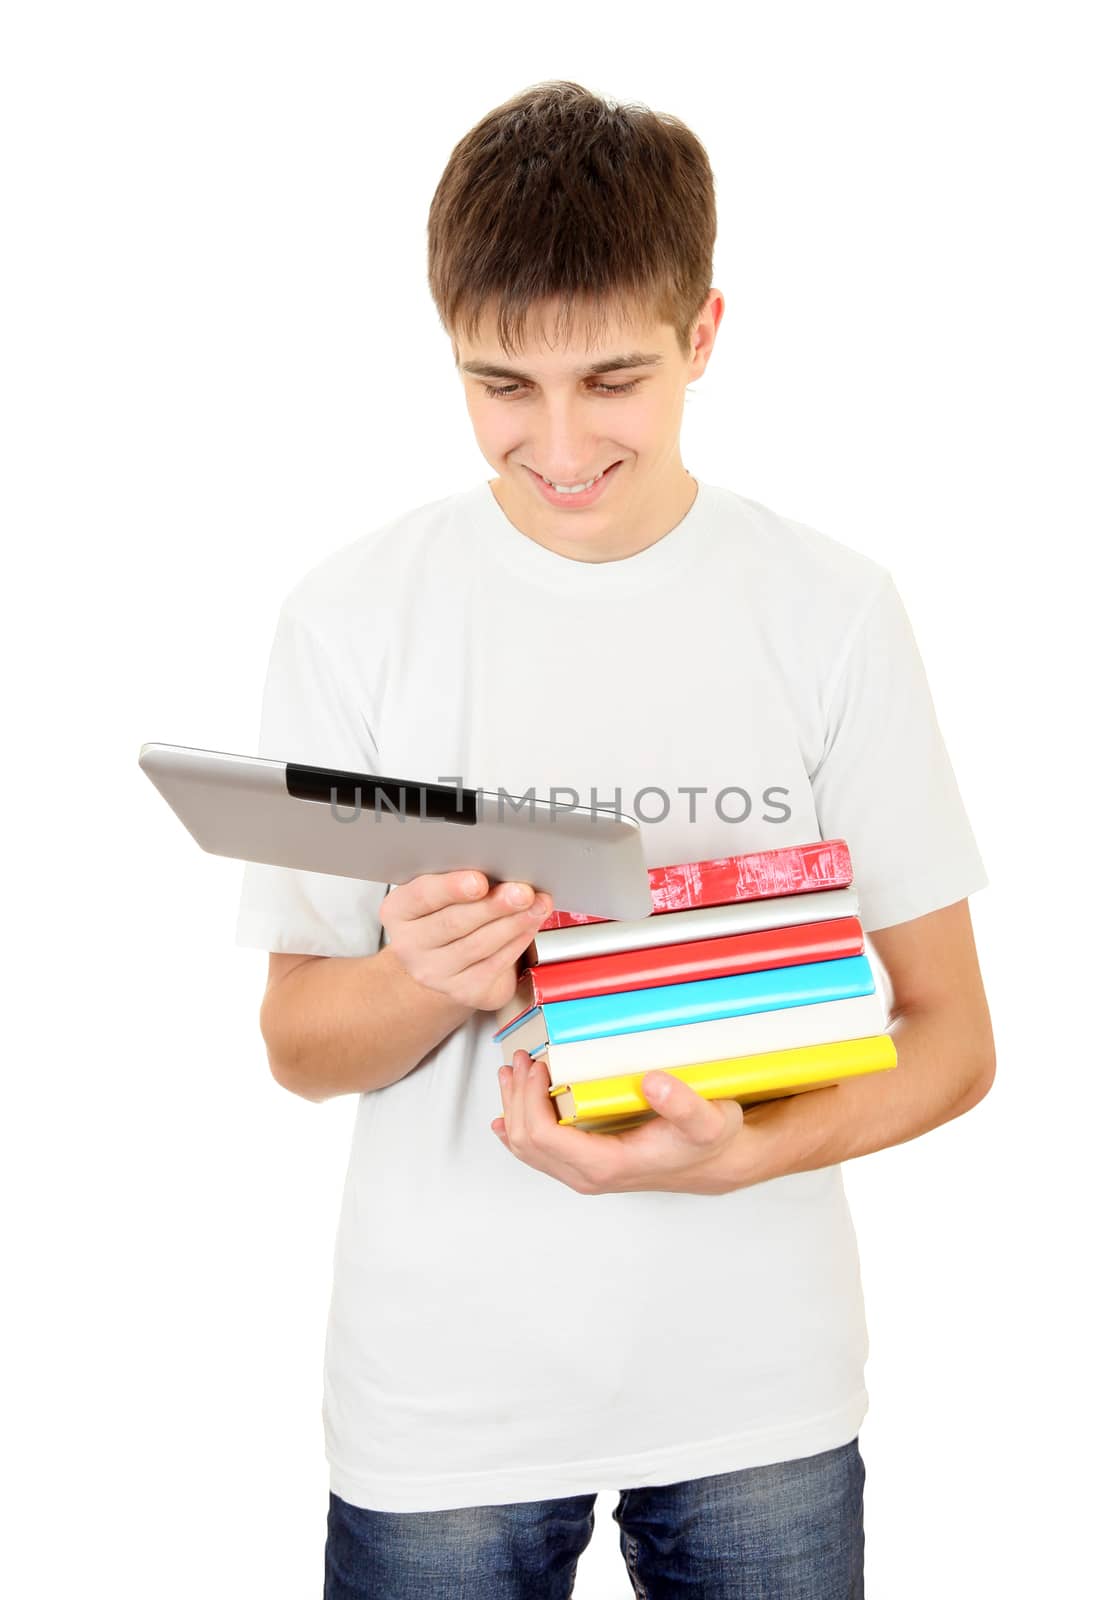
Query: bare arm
{"x":345,"y":1024}
{"x":946,"y":1058}
{"x":348,"y":1024}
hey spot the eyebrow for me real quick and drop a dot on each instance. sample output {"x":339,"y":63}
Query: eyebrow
{"x":633,"y":358}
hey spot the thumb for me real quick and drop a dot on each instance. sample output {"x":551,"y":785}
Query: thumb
{"x":697,"y":1118}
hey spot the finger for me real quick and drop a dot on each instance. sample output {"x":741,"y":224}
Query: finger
{"x":507,"y":1092}
{"x":699,"y":1119}
{"x":449,"y":925}
{"x":539,"y":1114}
{"x":430,"y":892}
{"x":569,"y":1154}
{"x":483,"y":955}
{"x":479,"y":930}
{"x":433,"y":891}
{"x":521,"y":1091}
{"x":500,"y":1123}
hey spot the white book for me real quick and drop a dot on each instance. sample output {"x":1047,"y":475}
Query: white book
{"x":690,"y":1042}
{"x":678,"y":927}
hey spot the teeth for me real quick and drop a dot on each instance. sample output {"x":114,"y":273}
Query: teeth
{"x":577,"y":488}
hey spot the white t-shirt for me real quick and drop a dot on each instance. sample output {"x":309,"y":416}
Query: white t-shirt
{"x":745,"y":682}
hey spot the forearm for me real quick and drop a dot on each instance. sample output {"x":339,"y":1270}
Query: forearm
{"x":345,"y":1025}
{"x":942,"y":1071}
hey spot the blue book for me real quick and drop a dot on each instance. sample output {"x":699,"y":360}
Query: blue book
{"x":666,"y":1005}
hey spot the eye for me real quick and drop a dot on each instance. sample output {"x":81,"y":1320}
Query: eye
{"x":510,"y":389}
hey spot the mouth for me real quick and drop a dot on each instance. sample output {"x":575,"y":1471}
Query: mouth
{"x":580,"y":496}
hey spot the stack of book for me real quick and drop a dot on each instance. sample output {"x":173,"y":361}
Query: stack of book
{"x":749,"y":980}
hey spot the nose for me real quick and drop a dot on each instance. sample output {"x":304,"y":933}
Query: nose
{"x":566,"y":445}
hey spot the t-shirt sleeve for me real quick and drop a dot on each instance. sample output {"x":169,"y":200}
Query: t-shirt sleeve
{"x":885,"y":782}
{"x":311,"y":714}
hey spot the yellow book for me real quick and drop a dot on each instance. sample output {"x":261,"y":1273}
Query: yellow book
{"x":608,"y":1104}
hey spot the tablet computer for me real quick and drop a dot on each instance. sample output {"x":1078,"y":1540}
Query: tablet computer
{"x":389,"y":830}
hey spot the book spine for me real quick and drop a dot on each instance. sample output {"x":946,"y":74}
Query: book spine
{"x":759,"y":875}
{"x":706,"y":958}
{"x":670,"y":1005}
{"x":785,"y":1029}
{"x":676,"y":927}
{"x":746,"y":1078}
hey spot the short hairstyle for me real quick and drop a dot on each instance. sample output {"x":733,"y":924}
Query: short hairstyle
{"x":559,"y":193}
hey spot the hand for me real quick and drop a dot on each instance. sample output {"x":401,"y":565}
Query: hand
{"x":455,"y":934}
{"x":693,"y":1146}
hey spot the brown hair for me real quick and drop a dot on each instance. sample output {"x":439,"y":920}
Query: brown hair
{"x":560,"y":193}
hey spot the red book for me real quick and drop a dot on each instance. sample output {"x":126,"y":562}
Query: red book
{"x":760,"y":875}
{"x":621,"y":970}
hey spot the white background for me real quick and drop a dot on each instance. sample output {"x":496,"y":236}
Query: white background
{"x":220,"y":362}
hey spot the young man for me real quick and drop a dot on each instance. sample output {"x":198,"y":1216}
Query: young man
{"x":524,"y":1314}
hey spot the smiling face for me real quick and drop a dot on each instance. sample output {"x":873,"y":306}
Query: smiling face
{"x":609,"y":411}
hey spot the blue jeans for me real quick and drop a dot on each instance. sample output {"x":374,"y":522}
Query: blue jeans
{"x":791,"y":1531}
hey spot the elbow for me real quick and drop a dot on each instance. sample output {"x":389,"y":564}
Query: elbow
{"x":981,"y":1056}
{"x":287,"y":1078}
{"x":282,"y":1059}
{"x":983,"y":1078}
